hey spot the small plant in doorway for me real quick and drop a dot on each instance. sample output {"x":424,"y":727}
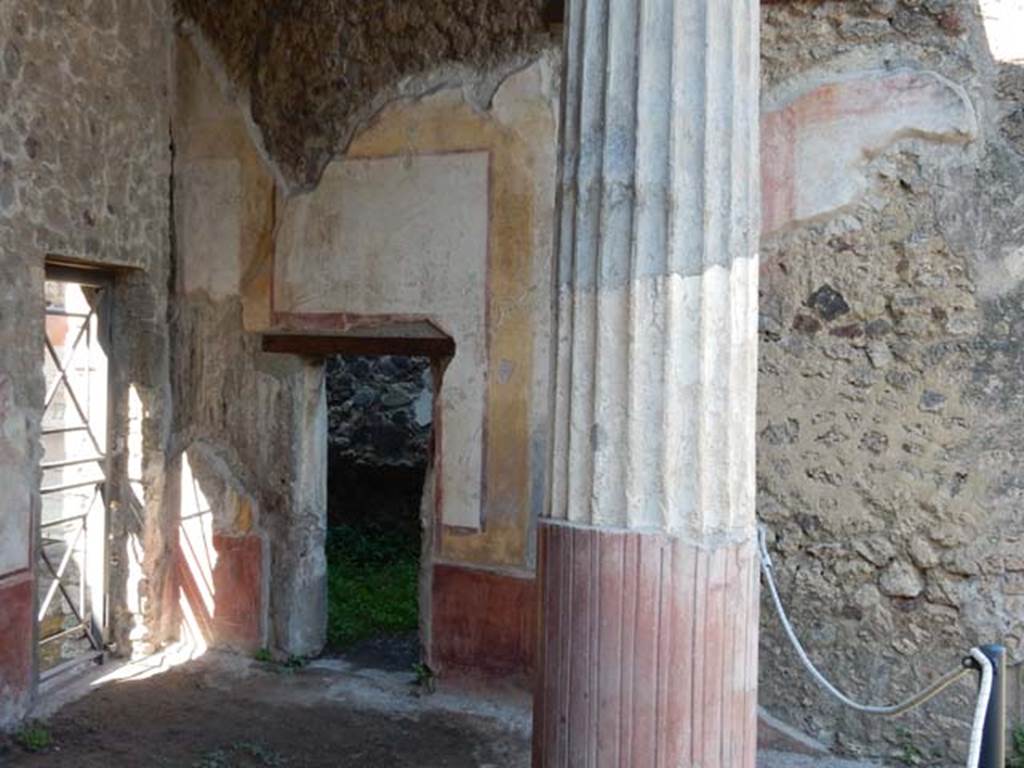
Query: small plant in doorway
{"x":34,"y":737}
{"x":425,"y":679}
{"x":259,"y":753}
{"x":218,"y":758}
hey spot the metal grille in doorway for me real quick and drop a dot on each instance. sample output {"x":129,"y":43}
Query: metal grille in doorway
{"x":71,"y":561}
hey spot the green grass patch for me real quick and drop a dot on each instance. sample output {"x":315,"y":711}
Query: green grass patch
{"x":1016,"y":758}
{"x":372,"y":584}
{"x":34,"y":737}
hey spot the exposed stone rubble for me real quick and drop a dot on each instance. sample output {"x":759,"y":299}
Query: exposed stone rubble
{"x":889,"y":387}
{"x":379,"y":409}
{"x":84,"y":166}
{"x":314,"y":71}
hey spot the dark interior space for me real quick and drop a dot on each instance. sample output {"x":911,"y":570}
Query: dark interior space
{"x":380,"y":416}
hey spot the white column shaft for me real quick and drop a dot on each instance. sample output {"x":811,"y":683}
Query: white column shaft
{"x":657,"y":268}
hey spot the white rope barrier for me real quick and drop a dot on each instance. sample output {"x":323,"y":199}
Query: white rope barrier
{"x":984,"y":693}
{"x":919,"y":698}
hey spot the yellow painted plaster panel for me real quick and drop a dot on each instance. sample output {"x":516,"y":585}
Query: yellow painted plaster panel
{"x":519,"y":133}
{"x":521,"y":202}
{"x":209,"y":127}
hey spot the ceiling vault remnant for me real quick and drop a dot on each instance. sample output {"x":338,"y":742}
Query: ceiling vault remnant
{"x":314,"y":71}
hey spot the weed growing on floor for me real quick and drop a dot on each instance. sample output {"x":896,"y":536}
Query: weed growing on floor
{"x":249,"y":752}
{"x":1016,"y":757}
{"x":372,"y":584}
{"x":216,"y":759}
{"x":424,"y":677}
{"x":261,"y":754}
{"x":34,"y":737}
{"x":907,"y":752}
{"x":292,"y":663}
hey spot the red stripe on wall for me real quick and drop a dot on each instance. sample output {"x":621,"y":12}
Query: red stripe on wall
{"x":17,"y":618}
{"x":483,"y":622}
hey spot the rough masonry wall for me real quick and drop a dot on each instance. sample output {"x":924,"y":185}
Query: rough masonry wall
{"x":314,"y":71}
{"x":239,"y":414}
{"x":236,"y":421}
{"x":380,"y":413}
{"x":379,"y":409}
{"x":84,"y":169}
{"x":890,"y":377}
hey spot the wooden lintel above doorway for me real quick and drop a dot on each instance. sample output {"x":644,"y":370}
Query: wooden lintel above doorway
{"x":323,"y":345}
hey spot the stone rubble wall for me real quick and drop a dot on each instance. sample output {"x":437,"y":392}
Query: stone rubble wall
{"x":84,"y":169}
{"x":890,"y":377}
{"x":379,"y":409}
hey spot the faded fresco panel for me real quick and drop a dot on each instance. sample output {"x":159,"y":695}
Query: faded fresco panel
{"x":16,"y":480}
{"x":15,"y":520}
{"x":405,"y":236}
{"x":209,"y":204}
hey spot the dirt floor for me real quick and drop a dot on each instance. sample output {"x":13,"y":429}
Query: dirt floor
{"x":224,"y":711}
{"x":227,"y":712}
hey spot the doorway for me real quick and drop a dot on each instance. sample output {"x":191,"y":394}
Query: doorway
{"x":380,"y":420}
{"x":72,"y":524}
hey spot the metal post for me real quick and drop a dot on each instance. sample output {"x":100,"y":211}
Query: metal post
{"x":993,"y":740}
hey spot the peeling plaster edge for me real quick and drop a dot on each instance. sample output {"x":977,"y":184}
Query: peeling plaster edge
{"x":852,"y":66}
{"x":211,"y":61}
{"x":784,"y":95}
{"x":224,"y":459}
{"x":14,"y":577}
{"x":807,"y":744}
{"x":478,"y":90}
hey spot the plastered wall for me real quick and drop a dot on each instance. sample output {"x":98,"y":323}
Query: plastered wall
{"x":437,"y":216}
{"x":888,"y":376}
{"x":437,"y":213}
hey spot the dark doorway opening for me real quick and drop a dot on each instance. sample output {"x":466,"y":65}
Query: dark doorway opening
{"x":380,"y":416}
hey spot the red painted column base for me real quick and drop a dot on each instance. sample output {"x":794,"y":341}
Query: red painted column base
{"x":648,"y":651}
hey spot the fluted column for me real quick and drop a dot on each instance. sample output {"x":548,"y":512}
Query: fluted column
{"x":646,"y":558}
